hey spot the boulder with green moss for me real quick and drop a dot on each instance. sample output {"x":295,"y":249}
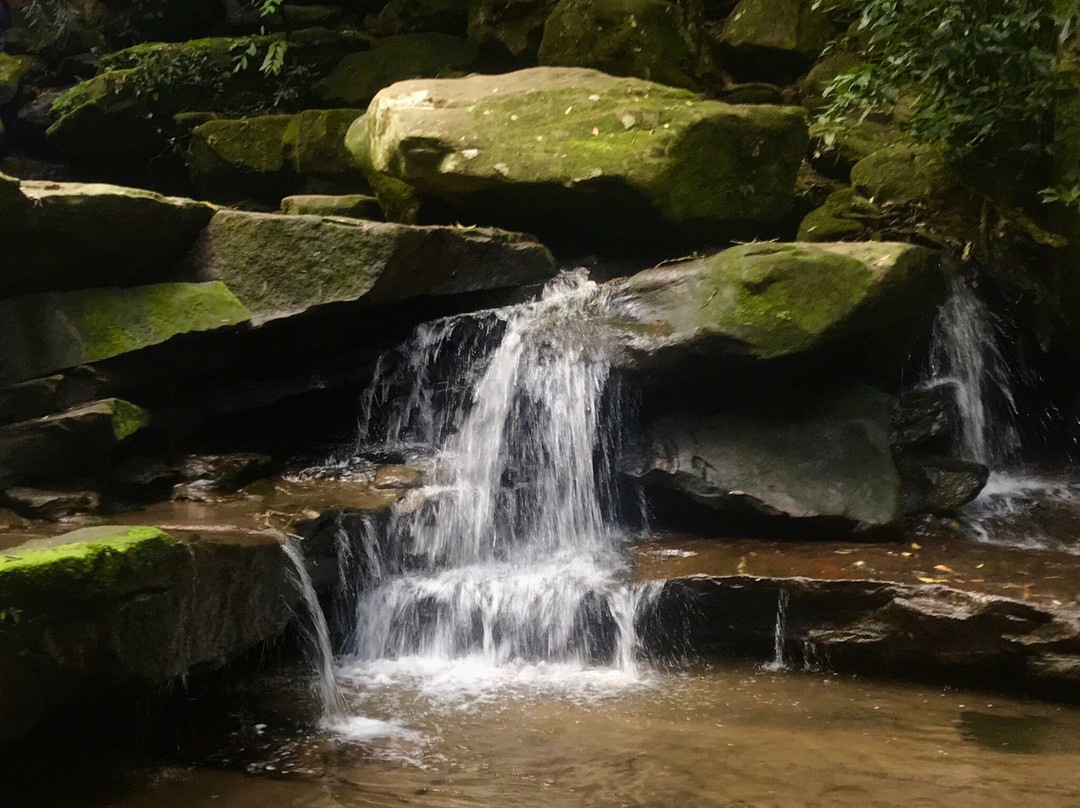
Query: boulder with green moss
{"x":772,"y":300}
{"x":283,"y":265}
{"x":16,"y":73}
{"x":588,"y":160}
{"x":775,"y":40}
{"x":825,"y":455}
{"x":904,"y":173}
{"x":398,"y":201}
{"x":71,"y":444}
{"x":127,"y":111}
{"x":838,"y":147}
{"x":517,"y":25}
{"x":87,"y":613}
{"x":844,"y":216}
{"x":356,"y":79}
{"x":656,"y":40}
{"x":266,"y":158}
{"x":41,"y":334}
{"x":78,"y":235}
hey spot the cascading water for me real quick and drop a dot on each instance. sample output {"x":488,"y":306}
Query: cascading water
{"x":513,"y":561}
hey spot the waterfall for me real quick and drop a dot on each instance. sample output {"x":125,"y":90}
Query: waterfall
{"x":966,"y":354}
{"x":317,"y":636}
{"x":779,"y":662}
{"x":514,"y":557}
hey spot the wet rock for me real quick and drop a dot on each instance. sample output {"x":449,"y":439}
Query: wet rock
{"x":927,"y":418}
{"x":41,"y":334}
{"x":829,"y":457}
{"x":69,"y":444}
{"x":939,"y":484}
{"x":359,"y":76}
{"x":773,"y":300}
{"x":282,"y":265}
{"x":74,"y":236}
{"x":775,"y":39}
{"x":655,"y":40}
{"x":105,"y":608}
{"x":398,"y":477}
{"x":351,"y":206}
{"x":268,"y":157}
{"x":517,"y":25}
{"x":588,"y":160}
{"x":205,"y":475}
{"x":51,"y":505}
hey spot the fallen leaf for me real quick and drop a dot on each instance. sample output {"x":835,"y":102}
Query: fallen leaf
{"x":979,"y":566}
{"x":933,"y":580}
{"x":843,"y":552}
{"x":942,"y":568}
{"x":915,"y":546}
{"x":906,"y":555}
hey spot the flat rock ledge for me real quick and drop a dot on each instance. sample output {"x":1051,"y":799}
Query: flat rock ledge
{"x":911,"y":632}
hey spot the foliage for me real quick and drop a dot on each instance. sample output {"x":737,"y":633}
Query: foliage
{"x":979,"y":75}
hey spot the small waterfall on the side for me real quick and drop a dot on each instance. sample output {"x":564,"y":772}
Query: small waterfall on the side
{"x":317,"y":635}
{"x":512,"y":560}
{"x":779,"y":661}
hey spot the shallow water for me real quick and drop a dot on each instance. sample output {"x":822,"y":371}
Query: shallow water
{"x":724,"y":737}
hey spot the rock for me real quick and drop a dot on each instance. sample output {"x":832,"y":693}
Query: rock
{"x":358,"y":77}
{"x":126,"y":112}
{"x":398,"y":477}
{"x":69,"y":444}
{"x":417,"y":16}
{"x":517,"y":25}
{"x":32,"y":399}
{"x":837,"y":149}
{"x":938,"y":484}
{"x":272,"y":156}
{"x":903,"y":174}
{"x":352,"y":206}
{"x":282,"y":265}
{"x":588,"y":160}
{"x":772,"y":300}
{"x":829,"y":457}
{"x":41,"y":334}
{"x":775,"y":40}
{"x":845,"y":216}
{"x":399,"y":201}
{"x":104,"y":608}
{"x":76,"y":235}
{"x":218,"y":474}
{"x":51,"y":505}
{"x":656,"y":40}
{"x":14,"y":206}
{"x":927,"y":418}
{"x":16,"y":72}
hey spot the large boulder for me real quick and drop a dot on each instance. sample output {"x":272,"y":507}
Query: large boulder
{"x":588,"y":160}
{"x":41,"y":334}
{"x":775,"y":40}
{"x":517,"y":25}
{"x":359,"y":76}
{"x":16,"y":72}
{"x":415,"y":16}
{"x":69,"y":444}
{"x":657,"y":40}
{"x":104,"y":608}
{"x":75,"y":235}
{"x":282,"y":265}
{"x":772,"y":300}
{"x":266,"y":158}
{"x":827,"y":456}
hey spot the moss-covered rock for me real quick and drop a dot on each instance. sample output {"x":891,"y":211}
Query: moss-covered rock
{"x":836,"y":149}
{"x":41,"y":334}
{"x":656,"y":40}
{"x":358,"y":77}
{"x":772,"y":300}
{"x":824,"y":456}
{"x":128,"y":110}
{"x":398,"y":200}
{"x":268,"y":157}
{"x":74,"y":443}
{"x":422,"y":16}
{"x":352,"y":206}
{"x":102,"y":608}
{"x":845,"y":216}
{"x":517,"y":25}
{"x":282,"y":265}
{"x":905,"y":173}
{"x":775,"y":40}
{"x":78,"y":235}
{"x":16,"y":72}
{"x":587,"y":159}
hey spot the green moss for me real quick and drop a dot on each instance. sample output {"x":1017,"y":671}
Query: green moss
{"x":127,"y":418}
{"x":840,"y":218}
{"x":796,"y":26}
{"x":904,"y":174}
{"x":15,"y":71}
{"x":104,"y":563}
{"x":247,"y":144}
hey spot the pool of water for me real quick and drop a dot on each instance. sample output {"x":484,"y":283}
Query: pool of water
{"x":537,"y":736}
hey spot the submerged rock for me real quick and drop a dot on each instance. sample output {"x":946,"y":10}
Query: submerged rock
{"x":282,"y":265}
{"x":587,"y":159}
{"x":656,"y":40}
{"x":824,"y":457}
{"x":772,"y":300}
{"x":41,"y":334}
{"x":69,"y":444}
{"x":102,"y":608}
{"x":78,"y":235}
